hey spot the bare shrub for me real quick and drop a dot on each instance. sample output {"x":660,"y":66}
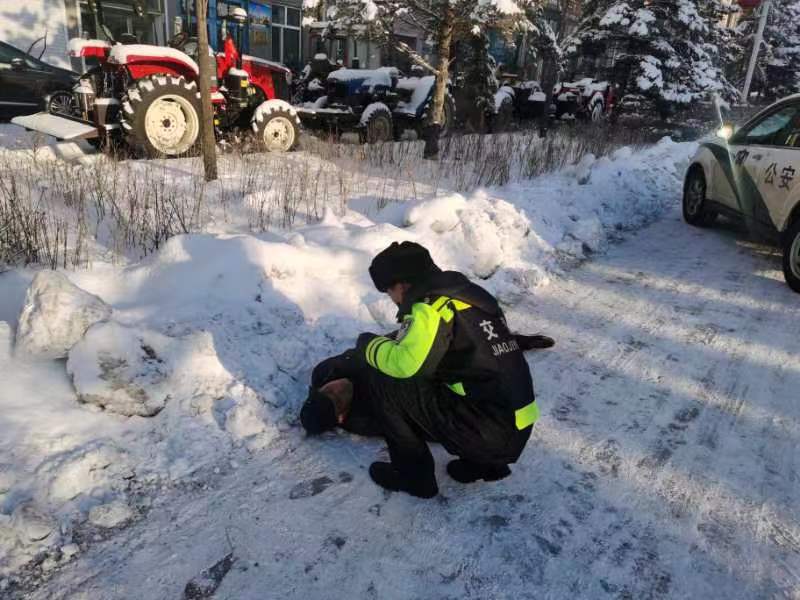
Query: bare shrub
{"x":33,"y":230}
{"x":54,"y":213}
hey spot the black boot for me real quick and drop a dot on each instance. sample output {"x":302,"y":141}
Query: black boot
{"x":465,"y":471}
{"x":386,"y":476}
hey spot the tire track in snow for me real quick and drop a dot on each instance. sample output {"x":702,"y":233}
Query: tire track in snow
{"x":727,"y":382}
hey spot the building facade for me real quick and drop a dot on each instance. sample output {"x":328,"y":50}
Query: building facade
{"x":274,"y":30}
{"x":273,"y":33}
{"x":278,"y":30}
{"x":22,"y":23}
{"x":353,"y":48}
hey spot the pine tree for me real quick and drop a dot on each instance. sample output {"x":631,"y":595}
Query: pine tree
{"x":542,"y":41}
{"x":480,"y":79}
{"x":783,"y":69}
{"x":778,"y":68}
{"x":667,"y":51}
{"x":542,"y":44}
{"x":374,"y":20}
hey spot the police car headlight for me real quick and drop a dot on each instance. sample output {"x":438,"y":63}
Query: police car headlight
{"x":725,"y":132}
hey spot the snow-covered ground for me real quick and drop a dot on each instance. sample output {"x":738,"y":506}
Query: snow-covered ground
{"x":663,"y":466}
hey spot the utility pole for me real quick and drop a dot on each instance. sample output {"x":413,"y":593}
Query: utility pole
{"x":762,"y":23}
{"x":207,"y":141}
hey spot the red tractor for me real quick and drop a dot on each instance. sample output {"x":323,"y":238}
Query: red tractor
{"x":586,"y":99}
{"x":147,"y":96}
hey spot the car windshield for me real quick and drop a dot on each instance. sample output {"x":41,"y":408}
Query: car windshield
{"x":8,"y":53}
{"x":771,"y":129}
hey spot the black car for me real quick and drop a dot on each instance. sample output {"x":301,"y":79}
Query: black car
{"x":28,"y":85}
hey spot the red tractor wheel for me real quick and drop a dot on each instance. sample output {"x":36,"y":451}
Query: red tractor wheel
{"x":161,"y":116}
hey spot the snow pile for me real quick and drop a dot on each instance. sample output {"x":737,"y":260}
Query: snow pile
{"x":207,"y":348}
{"x":56,"y":315}
{"x":6,"y":341}
{"x":515,"y":237}
{"x":122,"y":370}
{"x":112,"y":514}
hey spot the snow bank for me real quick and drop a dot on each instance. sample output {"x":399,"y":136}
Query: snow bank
{"x":6,"y":341}
{"x":55,"y":316}
{"x":210,"y":344}
{"x":515,"y":237}
{"x":123,"y":370}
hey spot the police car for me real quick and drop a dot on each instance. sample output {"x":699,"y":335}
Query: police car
{"x":753,"y":173}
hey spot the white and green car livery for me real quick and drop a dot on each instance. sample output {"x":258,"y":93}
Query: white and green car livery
{"x":753,"y":174}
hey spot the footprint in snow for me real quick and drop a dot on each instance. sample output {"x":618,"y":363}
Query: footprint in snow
{"x":312,"y":487}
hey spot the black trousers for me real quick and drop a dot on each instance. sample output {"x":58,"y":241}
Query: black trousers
{"x":412,"y":412}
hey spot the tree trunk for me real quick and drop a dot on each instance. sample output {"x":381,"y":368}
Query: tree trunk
{"x":443,"y":42}
{"x":207,"y":141}
{"x":549,"y":77}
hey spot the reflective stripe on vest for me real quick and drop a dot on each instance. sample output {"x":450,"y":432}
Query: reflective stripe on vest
{"x":527,"y":415}
{"x":457,"y":388}
{"x":445,"y":307}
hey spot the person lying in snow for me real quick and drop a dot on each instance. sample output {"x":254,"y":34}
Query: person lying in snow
{"x":453,"y":373}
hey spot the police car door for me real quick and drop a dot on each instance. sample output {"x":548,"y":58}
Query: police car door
{"x":753,"y":151}
{"x":780,"y":173}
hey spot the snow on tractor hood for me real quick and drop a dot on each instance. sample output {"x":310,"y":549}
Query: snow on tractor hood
{"x":79,"y":47}
{"x":586,"y":86}
{"x":128,"y":53}
{"x":369,"y":78}
{"x":420,"y":88}
{"x":246,"y":58}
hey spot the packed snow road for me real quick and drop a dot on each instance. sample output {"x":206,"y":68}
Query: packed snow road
{"x":665,"y":464}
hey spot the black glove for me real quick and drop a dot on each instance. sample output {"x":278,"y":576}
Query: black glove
{"x":534,"y":342}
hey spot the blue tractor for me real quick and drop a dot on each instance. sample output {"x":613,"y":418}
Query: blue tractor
{"x":378,"y":104}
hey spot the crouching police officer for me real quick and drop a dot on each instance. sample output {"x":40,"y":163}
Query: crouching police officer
{"x":452,"y":374}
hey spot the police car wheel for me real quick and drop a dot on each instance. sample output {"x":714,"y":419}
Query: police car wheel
{"x":695,"y":209}
{"x":791,"y":255}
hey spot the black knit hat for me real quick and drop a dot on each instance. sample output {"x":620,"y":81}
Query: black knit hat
{"x":318,"y":413}
{"x":405,"y":262}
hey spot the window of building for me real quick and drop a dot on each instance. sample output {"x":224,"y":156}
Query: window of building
{"x":291,"y":47}
{"x":286,"y":36}
{"x":121,"y":19}
{"x":276,"y":43}
{"x":260,"y":30}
